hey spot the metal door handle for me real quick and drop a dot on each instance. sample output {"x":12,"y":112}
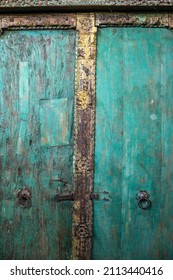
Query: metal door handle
{"x":24,"y":198}
{"x":143,"y":200}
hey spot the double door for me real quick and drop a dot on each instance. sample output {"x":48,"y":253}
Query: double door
{"x":86,"y":153}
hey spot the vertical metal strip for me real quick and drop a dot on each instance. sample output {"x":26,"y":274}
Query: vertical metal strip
{"x":84,"y":136}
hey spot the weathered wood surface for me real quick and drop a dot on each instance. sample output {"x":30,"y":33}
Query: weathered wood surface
{"x":77,"y":3}
{"x":134,"y":143}
{"x":134,"y":19}
{"x":36,"y":149}
{"x":38,"y":20}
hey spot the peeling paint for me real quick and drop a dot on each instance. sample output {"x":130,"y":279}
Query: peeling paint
{"x":153,"y":117}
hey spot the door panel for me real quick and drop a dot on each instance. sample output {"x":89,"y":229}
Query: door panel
{"x":36,"y":134}
{"x":133,"y":150}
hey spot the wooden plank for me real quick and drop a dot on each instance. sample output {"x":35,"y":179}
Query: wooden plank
{"x":108,"y":145}
{"x":35,"y":65}
{"x":167,"y":147}
{"x":141,"y":143}
{"x":133,"y":143}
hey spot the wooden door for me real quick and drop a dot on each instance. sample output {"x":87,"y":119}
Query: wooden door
{"x":134,"y":139}
{"x":48,"y":131}
{"x":37,"y":72}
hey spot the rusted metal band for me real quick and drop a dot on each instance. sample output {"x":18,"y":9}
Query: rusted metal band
{"x":84,"y":135}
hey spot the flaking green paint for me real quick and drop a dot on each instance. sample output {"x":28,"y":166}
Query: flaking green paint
{"x":134,"y":143}
{"x":35,"y":66}
{"x":56,"y":122}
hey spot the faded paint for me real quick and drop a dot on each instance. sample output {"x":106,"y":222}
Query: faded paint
{"x":56,"y":122}
{"x":43,"y":169}
{"x":23,"y":106}
{"x":130,"y":73}
{"x":153,"y":117}
{"x":36,"y":65}
{"x":23,"y":90}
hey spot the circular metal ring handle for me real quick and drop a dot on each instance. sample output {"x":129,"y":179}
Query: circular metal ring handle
{"x":143,"y":200}
{"x":24,"y":201}
{"x":144,"y":203}
{"x":24,"y":198}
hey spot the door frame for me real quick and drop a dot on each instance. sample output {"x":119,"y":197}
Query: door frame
{"x":84,"y":5}
{"x":86,"y":25}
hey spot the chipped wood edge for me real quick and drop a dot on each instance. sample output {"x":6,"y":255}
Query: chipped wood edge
{"x":84,"y":136}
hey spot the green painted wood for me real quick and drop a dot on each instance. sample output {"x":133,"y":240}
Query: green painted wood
{"x":36,"y":98}
{"x":133,"y":150}
{"x":58,"y":113}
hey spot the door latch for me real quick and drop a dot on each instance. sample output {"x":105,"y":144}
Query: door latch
{"x":63,"y":197}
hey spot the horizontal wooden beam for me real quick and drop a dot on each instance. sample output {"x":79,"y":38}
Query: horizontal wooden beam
{"x":84,"y":3}
{"x":133,"y":19}
{"x":32,"y":21}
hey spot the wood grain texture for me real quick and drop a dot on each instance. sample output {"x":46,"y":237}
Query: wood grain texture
{"x":73,"y":3}
{"x":35,"y":66}
{"x":133,"y":148}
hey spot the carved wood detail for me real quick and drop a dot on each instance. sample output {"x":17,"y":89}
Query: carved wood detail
{"x":131,"y":19}
{"x":85,"y":116}
{"x":78,"y":3}
{"x":38,"y":21}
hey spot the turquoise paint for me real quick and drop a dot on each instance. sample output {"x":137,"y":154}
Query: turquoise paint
{"x":133,"y":145}
{"x":23,"y":89}
{"x":56,"y":122}
{"x":21,"y":137}
{"x":36,"y":66}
